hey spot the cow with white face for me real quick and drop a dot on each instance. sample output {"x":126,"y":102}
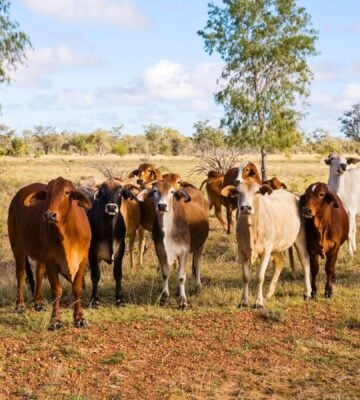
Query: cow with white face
{"x":268,"y":223}
{"x":181,"y":227}
{"x":345,"y":183}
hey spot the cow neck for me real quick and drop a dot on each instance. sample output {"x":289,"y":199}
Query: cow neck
{"x":166,"y":220}
{"x":324,"y":215}
{"x":336,"y":182}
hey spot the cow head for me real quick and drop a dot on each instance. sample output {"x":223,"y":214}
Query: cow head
{"x":146,"y":172}
{"x":247,"y":169}
{"x":59,"y":195}
{"x":338,"y":163}
{"x":110,"y":194}
{"x":316,"y":197}
{"x":246,"y":192}
{"x":164,"y":194}
{"x":173,"y":179}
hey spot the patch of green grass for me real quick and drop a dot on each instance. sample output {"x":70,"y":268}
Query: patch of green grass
{"x":116,"y":359}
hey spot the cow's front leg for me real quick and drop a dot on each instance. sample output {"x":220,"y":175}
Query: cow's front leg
{"x":95,"y":278}
{"x":244,"y":302}
{"x":165,"y":271}
{"x":196,"y":268}
{"x":119,"y":297}
{"x":330,"y":272}
{"x":182,"y":280}
{"x":38,"y":299}
{"x":314,"y":265}
{"x":259,"y":302}
{"x":77,"y":286}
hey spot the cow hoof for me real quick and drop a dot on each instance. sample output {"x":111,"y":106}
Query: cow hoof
{"x":94,"y":303}
{"x":243,"y":305}
{"x":182,"y":306}
{"x":20,"y":309}
{"x":120,"y":303}
{"x":164,"y":300}
{"x":198,"y":289}
{"x":55,"y":326}
{"x":313,"y":295}
{"x":328,"y":295}
{"x":306,"y":297}
{"x":39,"y":307}
{"x":80,"y":323}
{"x":258,"y":306}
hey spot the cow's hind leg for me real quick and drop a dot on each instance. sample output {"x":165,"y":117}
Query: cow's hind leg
{"x":20,"y":262}
{"x":77,"y":286}
{"x":95,"y":278}
{"x":217,"y":206}
{"x":142,"y":243}
{"x":119,"y":296}
{"x":314,"y":263}
{"x":38,"y":299}
{"x":330,"y":272}
{"x":196,"y":268}
{"x":300,"y":246}
{"x":278,"y":266}
{"x":131,"y":249}
{"x":56,"y":290}
{"x":228,"y":216}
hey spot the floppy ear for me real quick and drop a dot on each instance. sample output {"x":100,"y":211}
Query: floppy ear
{"x":133,"y":173}
{"x":302,"y":201}
{"x":127,"y":194}
{"x":265,"y":189}
{"x":34,"y":198}
{"x":283,"y":185}
{"x":229,"y":191}
{"x":330,"y":198}
{"x":352,"y":160}
{"x":143,"y":195}
{"x":186,"y":184}
{"x":82,"y":200}
{"x":158,"y":174}
{"x":182,"y":194}
{"x":327,"y":161}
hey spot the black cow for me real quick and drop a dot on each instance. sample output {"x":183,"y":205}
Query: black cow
{"x":108,"y":235}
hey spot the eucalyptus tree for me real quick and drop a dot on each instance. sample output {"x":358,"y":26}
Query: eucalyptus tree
{"x":265,"y":45}
{"x":350,"y":123}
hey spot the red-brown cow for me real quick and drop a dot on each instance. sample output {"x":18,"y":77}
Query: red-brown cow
{"x":145,"y":172}
{"x":48,"y":223}
{"x":327,"y":228}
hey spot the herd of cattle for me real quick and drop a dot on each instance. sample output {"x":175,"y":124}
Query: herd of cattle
{"x":64,"y":228}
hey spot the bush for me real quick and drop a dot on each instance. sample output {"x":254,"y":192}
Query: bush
{"x":119,"y":148}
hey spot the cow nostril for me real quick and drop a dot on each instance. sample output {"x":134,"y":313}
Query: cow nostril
{"x":237,"y":182}
{"x":140,"y":181}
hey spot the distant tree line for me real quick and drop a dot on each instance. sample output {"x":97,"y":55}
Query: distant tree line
{"x":156,"y":139}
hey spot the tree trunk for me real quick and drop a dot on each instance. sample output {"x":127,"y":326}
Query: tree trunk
{"x":263,"y":164}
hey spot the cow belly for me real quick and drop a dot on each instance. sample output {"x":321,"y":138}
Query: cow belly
{"x":172,"y":250}
{"x":104,"y":252}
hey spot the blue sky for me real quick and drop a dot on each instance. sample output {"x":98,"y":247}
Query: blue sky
{"x":101,"y":63}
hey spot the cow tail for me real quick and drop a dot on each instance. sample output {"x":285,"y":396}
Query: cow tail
{"x":202,"y":184}
{"x":291,"y":259}
{"x":29,"y":276}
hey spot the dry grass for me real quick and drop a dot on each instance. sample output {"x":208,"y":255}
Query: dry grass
{"x":293,"y":349}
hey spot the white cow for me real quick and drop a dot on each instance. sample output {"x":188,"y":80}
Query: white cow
{"x":268,"y":223}
{"x":346,"y":183}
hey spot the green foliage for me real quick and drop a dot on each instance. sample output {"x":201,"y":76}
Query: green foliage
{"x":13,"y":42}
{"x":11,"y":145}
{"x":208,"y":138}
{"x":119,"y":148}
{"x":350,"y":122}
{"x":264,"y":44}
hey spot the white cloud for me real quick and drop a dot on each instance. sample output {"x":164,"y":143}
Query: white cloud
{"x":351,"y":92}
{"x":46,"y":60}
{"x":123,"y":13}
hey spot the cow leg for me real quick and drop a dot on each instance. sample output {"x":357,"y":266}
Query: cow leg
{"x":314,"y":265}
{"x":331,"y":258}
{"x":228,"y":217}
{"x":217,"y":206}
{"x":56,"y":290}
{"x":259,"y":301}
{"x":77,"y":287}
{"x":300,"y":246}
{"x":38,"y":299}
{"x":182,"y":280}
{"x":165,"y":271}
{"x":118,"y":257}
{"x":278,"y":266}
{"x":141,"y":232}
{"x":352,"y":233}
{"x":95,"y":277}
{"x":131,"y":249}
{"x":244,"y":302}
{"x":196,"y":268}
{"x":20,"y":261}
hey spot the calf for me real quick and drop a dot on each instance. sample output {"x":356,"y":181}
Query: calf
{"x":145,"y":172}
{"x":108,"y":228}
{"x":181,"y":227}
{"x":327,"y":227}
{"x":345,"y":183}
{"x":268,"y":223}
{"x":48,"y":223}
{"x":275,"y":184}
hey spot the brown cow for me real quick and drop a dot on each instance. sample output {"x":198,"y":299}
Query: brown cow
{"x":327,"y":228}
{"x":48,"y":223}
{"x":181,"y":227}
{"x":275,"y":184}
{"x":145,"y":172}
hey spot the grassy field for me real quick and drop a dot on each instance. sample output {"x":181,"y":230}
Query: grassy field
{"x":291,"y":350}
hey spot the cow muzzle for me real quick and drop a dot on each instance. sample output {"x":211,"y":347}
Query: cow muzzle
{"x":111,"y":209}
{"x":307,"y":213}
{"x":246,"y":210}
{"x":162,"y":207}
{"x":342,"y":168}
{"x":50,"y":216}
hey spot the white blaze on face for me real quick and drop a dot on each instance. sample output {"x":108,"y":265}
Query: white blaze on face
{"x":247,"y":193}
{"x":239,"y":178}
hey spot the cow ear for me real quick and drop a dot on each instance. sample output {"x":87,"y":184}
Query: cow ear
{"x":327,"y":161}
{"x":283,"y":185}
{"x":133,"y":173}
{"x":182,"y":194}
{"x":127,"y":194}
{"x":352,"y":160}
{"x":229,"y":191}
{"x":330,"y":198}
{"x":158,"y":174}
{"x":34,"y":197}
{"x":143,"y":195}
{"x":302,"y":201}
{"x":82,"y":200}
{"x":265,"y":189}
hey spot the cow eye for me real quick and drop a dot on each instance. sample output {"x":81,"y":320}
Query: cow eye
{"x":67,"y":192}
{"x":172,"y":191}
{"x":321,"y":194}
